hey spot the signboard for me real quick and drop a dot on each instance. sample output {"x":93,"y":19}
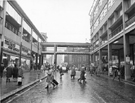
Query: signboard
{"x":11,"y":45}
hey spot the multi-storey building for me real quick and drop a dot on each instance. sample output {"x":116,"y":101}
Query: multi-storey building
{"x":19,"y":38}
{"x":112,"y":24}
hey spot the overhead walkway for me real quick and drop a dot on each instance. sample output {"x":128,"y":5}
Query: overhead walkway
{"x":83,"y":49}
{"x":64,"y":44}
{"x":67,"y":53}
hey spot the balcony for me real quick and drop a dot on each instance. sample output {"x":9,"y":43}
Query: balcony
{"x":116,"y":31}
{"x":130,"y":21}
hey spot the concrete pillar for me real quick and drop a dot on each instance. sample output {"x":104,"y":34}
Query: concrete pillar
{"x":55,"y":56}
{"x":100,"y":60}
{"x":42,"y":59}
{"x":2,"y":23}
{"x":126,"y":55}
{"x":21,"y":33}
{"x":119,"y":55}
{"x":31,"y":41}
{"x":109,"y":56}
{"x":36,"y":60}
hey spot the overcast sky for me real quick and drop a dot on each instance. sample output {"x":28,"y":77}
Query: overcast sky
{"x":62,"y":20}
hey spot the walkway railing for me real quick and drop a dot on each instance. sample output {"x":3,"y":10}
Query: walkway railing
{"x":116,"y":31}
{"x":130,"y":21}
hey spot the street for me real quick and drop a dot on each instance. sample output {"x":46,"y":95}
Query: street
{"x":96,"y":90}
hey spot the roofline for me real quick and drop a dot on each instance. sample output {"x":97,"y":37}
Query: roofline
{"x":23,"y":14}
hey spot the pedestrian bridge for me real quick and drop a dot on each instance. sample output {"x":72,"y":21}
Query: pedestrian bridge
{"x":64,"y":44}
{"x":82,"y":49}
{"x":67,"y":53}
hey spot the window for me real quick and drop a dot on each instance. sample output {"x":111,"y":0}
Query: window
{"x":96,"y":24}
{"x":110,"y":3}
{"x":11,"y":11}
{"x":96,"y":11}
{"x":100,"y":2}
{"x":101,"y":16}
{"x":105,"y":10}
{"x":11,"y":27}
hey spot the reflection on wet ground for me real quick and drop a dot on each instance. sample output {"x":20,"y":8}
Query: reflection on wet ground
{"x":96,"y":90}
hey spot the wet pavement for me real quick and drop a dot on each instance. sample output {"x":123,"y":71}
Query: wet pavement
{"x":96,"y":90}
{"x":8,"y":87}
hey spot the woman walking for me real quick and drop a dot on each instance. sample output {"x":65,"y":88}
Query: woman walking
{"x":73,"y":72}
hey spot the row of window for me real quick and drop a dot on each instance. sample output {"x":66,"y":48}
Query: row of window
{"x":102,"y":14}
{"x":12,"y":12}
{"x":11,"y":27}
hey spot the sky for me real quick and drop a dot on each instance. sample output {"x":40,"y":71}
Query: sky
{"x":62,"y":20}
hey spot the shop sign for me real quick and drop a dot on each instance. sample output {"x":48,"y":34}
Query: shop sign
{"x":25,"y":51}
{"x":12,"y":46}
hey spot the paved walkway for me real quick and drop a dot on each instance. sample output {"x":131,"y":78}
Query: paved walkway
{"x":29,"y":77}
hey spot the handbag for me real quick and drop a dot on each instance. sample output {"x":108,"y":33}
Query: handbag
{"x":19,"y":79}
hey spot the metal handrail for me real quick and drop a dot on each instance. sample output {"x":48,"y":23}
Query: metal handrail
{"x":130,"y":21}
{"x":116,"y":31}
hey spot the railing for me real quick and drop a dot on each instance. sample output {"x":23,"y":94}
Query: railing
{"x":116,"y":31}
{"x":130,"y":21}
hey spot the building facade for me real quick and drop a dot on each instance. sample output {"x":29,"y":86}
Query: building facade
{"x":19,"y":38}
{"x":77,"y":60}
{"x":112,"y":24}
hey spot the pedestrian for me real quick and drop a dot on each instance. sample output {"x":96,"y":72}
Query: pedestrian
{"x":1,"y":70}
{"x":15,"y":72}
{"x":133,"y":72}
{"x":60,"y":71}
{"x":9,"y":70}
{"x":73,"y":72}
{"x":49,"y":79}
{"x":20,"y":76}
{"x":82,"y":74}
{"x":115,"y":71}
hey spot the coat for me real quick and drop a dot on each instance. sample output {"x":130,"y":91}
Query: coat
{"x":15,"y":72}
{"x":20,"y":72}
{"x":73,"y":72}
{"x":9,"y":71}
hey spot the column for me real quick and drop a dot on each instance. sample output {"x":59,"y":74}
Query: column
{"x":100,"y":60}
{"x":36,"y":60}
{"x":109,"y":56}
{"x":31,"y":40}
{"x":21,"y":33}
{"x":126,"y":56}
{"x":2,"y":22}
{"x":42,"y":59}
{"x":55,"y":56}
